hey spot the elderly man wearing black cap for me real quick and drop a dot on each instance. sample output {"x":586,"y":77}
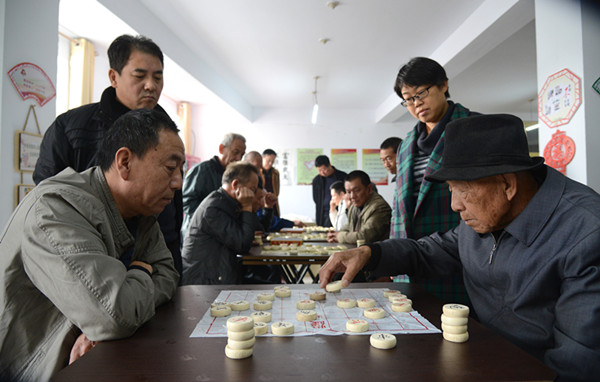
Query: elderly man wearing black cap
{"x":528,"y":246}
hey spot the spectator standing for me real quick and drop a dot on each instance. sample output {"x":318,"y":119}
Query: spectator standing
{"x":387,"y":153}
{"x":205,"y":177}
{"x":320,"y":187}
{"x":271,"y":176}
{"x":422,"y":207}
{"x":73,"y":139}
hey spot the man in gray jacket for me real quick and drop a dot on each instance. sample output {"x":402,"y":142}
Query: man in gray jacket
{"x":222,"y":227}
{"x":63,"y":285}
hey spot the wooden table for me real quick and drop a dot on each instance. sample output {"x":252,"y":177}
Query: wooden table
{"x":163,"y":351}
{"x":291,"y":273}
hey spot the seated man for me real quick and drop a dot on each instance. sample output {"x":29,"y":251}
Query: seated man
{"x":60,"y":267}
{"x":368,"y":217}
{"x":222,"y":227}
{"x":339,"y":205}
{"x":528,"y":245}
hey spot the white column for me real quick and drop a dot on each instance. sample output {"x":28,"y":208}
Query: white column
{"x":29,"y":33}
{"x":567,"y":38}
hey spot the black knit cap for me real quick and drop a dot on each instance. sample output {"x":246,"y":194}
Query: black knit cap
{"x":484,"y":145}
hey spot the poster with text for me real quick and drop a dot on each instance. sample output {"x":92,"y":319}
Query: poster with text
{"x":371,"y":164}
{"x":344,"y":159}
{"x":306,"y":164}
{"x":284,"y":163}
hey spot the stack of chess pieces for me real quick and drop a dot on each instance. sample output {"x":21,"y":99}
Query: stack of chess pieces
{"x":454,"y":322}
{"x":240,"y":337}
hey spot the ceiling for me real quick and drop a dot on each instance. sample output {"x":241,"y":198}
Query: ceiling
{"x":265,"y":53}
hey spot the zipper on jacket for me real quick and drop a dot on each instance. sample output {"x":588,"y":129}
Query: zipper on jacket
{"x":496,"y":242}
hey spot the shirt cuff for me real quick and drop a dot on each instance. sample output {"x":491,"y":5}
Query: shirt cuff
{"x":139,"y":267}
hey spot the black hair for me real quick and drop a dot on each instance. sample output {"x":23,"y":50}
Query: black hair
{"x":420,"y":71}
{"x":138,"y":130}
{"x":269,"y":152}
{"x":242,"y":171}
{"x":358,"y":174}
{"x":338,"y":186}
{"x":391,"y":143}
{"x":120,"y":50}
{"x":322,"y":160}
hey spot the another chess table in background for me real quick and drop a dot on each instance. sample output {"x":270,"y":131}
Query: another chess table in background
{"x":295,"y":264}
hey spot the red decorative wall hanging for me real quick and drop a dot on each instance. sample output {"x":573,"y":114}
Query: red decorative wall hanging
{"x":559,"y":151}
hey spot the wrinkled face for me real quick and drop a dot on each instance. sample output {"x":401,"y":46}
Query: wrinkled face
{"x":337,"y":198}
{"x":233,"y":152}
{"x":431,"y":108}
{"x":156,"y":176}
{"x":268,"y":161}
{"x":325,"y":171}
{"x":141,"y":81}
{"x":482,"y":203}
{"x":388,"y":158}
{"x":359,"y":193}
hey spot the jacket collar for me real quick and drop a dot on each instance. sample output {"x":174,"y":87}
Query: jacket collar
{"x":531,"y":221}
{"x":123,"y":238}
{"x":113,"y":109}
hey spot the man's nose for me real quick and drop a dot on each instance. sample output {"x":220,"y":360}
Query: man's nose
{"x":177,"y":181}
{"x":456,"y":204}
{"x":150,"y":84}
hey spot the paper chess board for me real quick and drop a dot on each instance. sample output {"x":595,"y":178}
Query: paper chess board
{"x":331,"y":320}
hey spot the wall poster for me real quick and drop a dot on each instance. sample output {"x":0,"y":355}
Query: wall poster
{"x":344,"y":159}
{"x":559,"y":98}
{"x":371,"y":164}
{"x":306,"y":165}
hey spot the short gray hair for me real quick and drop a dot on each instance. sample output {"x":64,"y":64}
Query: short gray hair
{"x":242,"y":171}
{"x":230,"y":137}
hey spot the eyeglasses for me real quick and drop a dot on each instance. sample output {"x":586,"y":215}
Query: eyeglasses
{"x":420,"y":95}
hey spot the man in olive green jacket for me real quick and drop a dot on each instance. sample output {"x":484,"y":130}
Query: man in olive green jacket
{"x":369,"y":216}
{"x":83,"y":259}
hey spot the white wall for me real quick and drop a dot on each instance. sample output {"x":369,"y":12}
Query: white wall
{"x":29,"y":34}
{"x":281,"y":129}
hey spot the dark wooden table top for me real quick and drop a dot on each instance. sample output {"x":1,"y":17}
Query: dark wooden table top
{"x":163,"y":351}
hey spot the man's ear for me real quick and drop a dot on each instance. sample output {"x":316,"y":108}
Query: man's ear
{"x":123,"y":160}
{"x":112,"y":77}
{"x":235,"y":184}
{"x":510,"y":185}
{"x":221,"y":147}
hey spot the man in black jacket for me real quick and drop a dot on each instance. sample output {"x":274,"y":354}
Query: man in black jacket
{"x":136,"y":78}
{"x":320,"y":187}
{"x":221,"y":228}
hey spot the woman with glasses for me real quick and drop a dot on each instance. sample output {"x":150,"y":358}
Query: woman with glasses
{"x":420,"y":207}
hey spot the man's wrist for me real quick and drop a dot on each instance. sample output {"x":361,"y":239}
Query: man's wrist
{"x":375,"y":257}
{"x":139,"y":267}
